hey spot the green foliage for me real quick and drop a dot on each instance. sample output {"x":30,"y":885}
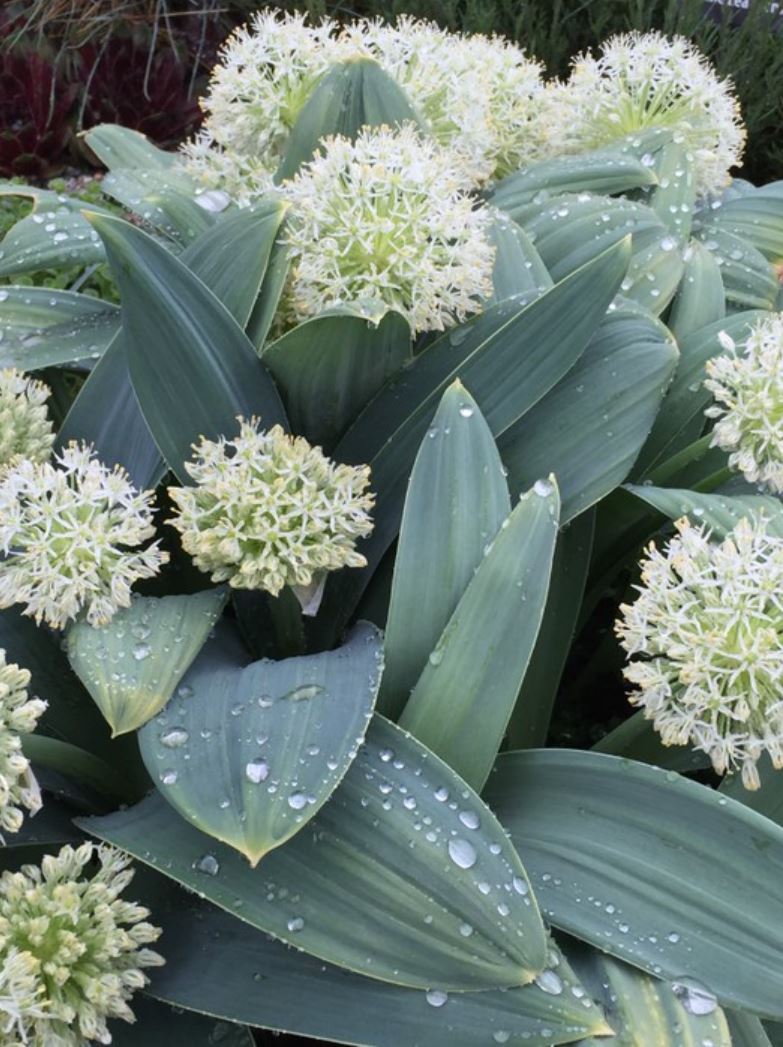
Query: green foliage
{"x":342,"y":848}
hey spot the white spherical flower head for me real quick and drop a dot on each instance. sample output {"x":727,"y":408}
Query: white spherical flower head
{"x":18,"y":716}
{"x":705,"y":643}
{"x":266,"y":73}
{"x":269,"y":510}
{"x":25,"y":428}
{"x":643,"y":80}
{"x":69,"y":537}
{"x":72,"y":951}
{"x":386,"y":218}
{"x":747,"y":384}
{"x":477,"y":94}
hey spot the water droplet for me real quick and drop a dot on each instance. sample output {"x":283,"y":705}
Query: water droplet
{"x":208,"y":864}
{"x":141,"y":651}
{"x":462,"y":853}
{"x":550,"y":982}
{"x":465,"y":930}
{"x":441,"y":794}
{"x":436,"y":656}
{"x":668,"y":243}
{"x":386,"y":755}
{"x":466,"y":411}
{"x":501,"y":1036}
{"x":437,"y":997}
{"x":304,"y":693}
{"x":214,"y":200}
{"x":297,"y":801}
{"x":648,"y":160}
{"x":296,"y":923}
{"x":543,"y":488}
{"x":257,"y":771}
{"x":673,"y":937}
{"x":169,"y":777}
{"x":695,"y":998}
{"x":174,"y":737}
{"x":520,"y":886}
{"x":469,"y":819}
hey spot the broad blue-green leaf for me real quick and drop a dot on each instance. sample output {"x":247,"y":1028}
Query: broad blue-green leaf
{"x":509,"y":358}
{"x":681,"y":417}
{"x":41,"y":327}
{"x":749,"y":280}
{"x":222,"y":966}
{"x":637,"y":739}
{"x":328,"y":368}
{"x":673,"y":197}
{"x":49,"y":239}
{"x":462,"y":702}
{"x":457,"y":499}
{"x":106,"y":414}
{"x":249,"y":755}
{"x":132,"y":665}
{"x":701,"y":298}
{"x":518,"y":268}
{"x":590,"y":427}
{"x":265,"y":308}
{"x":572,"y":229}
{"x":645,"y":1011}
{"x":756,"y":216}
{"x":655,"y":273}
{"x":719,"y":512}
{"x":362,"y":887}
{"x":598,"y":172}
{"x":232,"y":257}
{"x":348,"y":97}
{"x":193,"y":369}
{"x":651,"y":867}
{"x":117,"y":146}
{"x":529,"y":724}
{"x":163,"y":198}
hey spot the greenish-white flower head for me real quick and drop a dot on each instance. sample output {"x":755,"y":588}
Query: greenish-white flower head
{"x":387,"y":218}
{"x":747,"y":384}
{"x":70,"y":532}
{"x":25,"y":427}
{"x":18,"y":716}
{"x":269,"y":510}
{"x":644,"y":80}
{"x":72,"y":951}
{"x":477,"y":94}
{"x":704,"y":640}
{"x":266,"y":73}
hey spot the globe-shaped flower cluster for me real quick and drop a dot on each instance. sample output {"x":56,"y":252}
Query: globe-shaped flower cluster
{"x":705,"y":643}
{"x":386,"y":218}
{"x":643,"y":80}
{"x":25,"y":428}
{"x":72,"y":952}
{"x":747,"y":384}
{"x":18,"y":716}
{"x":269,"y":510}
{"x":69,"y":533}
{"x":478,"y":95}
{"x":257,"y":90}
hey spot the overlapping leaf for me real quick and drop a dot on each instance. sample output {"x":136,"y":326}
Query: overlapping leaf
{"x":444,"y":905}
{"x":685,"y":882}
{"x":249,"y":755}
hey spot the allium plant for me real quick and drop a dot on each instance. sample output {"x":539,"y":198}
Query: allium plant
{"x":747,"y":384}
{"x":412,"y":393}
{"x":25,"y":428}
{"x":69,"y":532}
{"x":705,"y":643}
{"x":19,"y":714}
{"x":386,"y":218}
{"x":72,"y":951}
{"x":268,"y":510}
{"x":645,"y":80}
